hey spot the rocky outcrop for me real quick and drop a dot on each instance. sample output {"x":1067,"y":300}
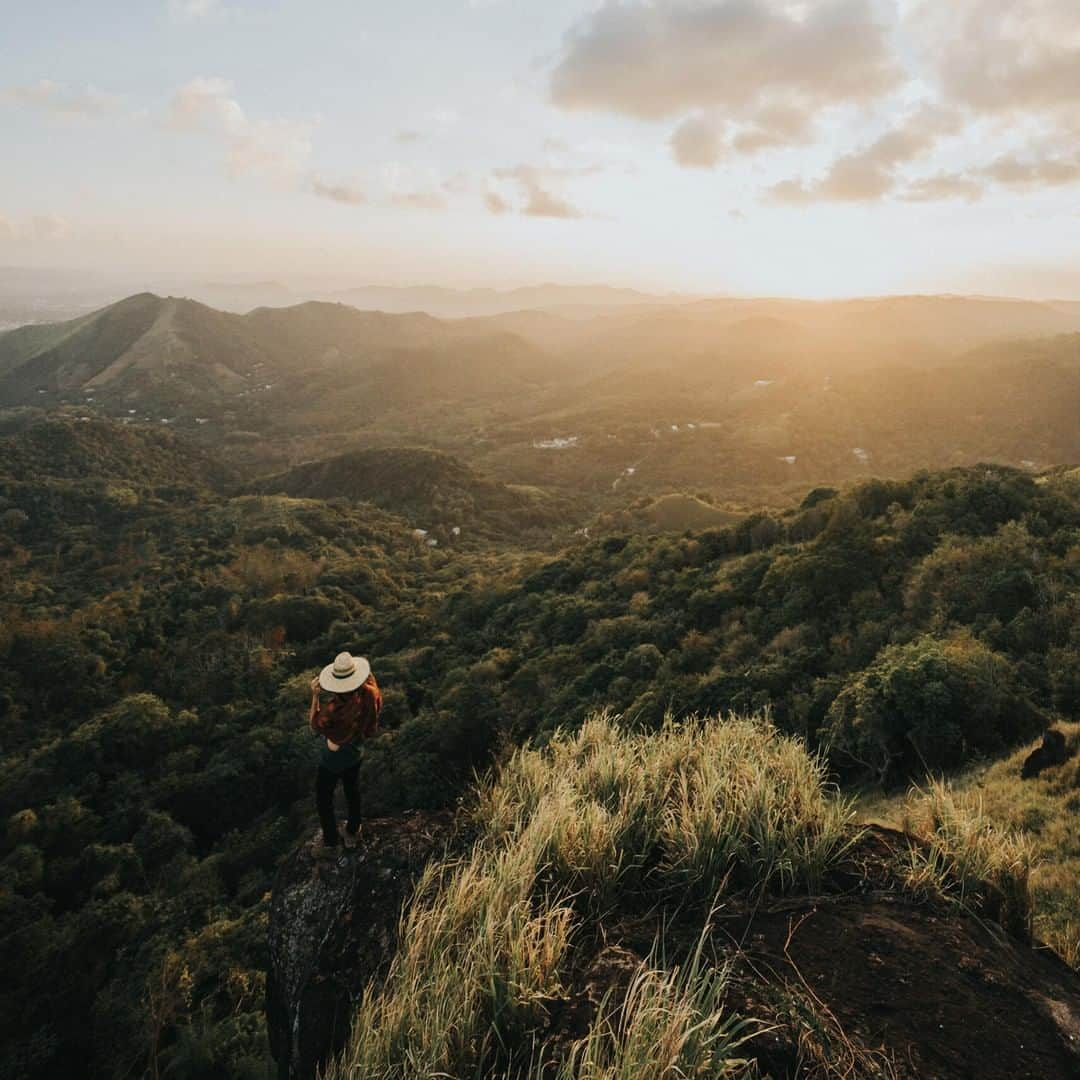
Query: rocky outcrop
{"x":865,"y":980}
{"x":333,"y":927}
{"x":908,"y":993}
{"x":1052,"y":751}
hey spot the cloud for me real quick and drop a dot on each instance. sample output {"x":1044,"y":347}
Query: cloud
{"x":57,"y":98}
{"x":702,"y":140}
{"x":698,"y":143}
{"x":190,"y":10}
{"x":408,"y":136}
{"x":656,"y":60}
{"x":206,"y":101}
{"x":742,"y":77}
{"x":534,"y":184}
{"x":772,"y":126}
{"x":1002,"y":56}
{"x":348,"y":193}
{"x":1011,"y":171}
{"x":943,"y":186}
{"x":460,"y":183}
{"x":275,"y":149}
{"x":869,"y":173}
{"x":418,"y":200}
{"x":543,"y":203}
{"x":496,"y":204}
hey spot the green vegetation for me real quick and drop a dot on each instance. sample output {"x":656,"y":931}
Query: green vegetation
{"x":973,"y":824}
{"x":157,"y":635}
{"x":608,"y":831}
{"x":432,"y":490}
{"x":602,"y":822}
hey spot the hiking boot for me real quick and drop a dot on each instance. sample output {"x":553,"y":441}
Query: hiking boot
{"x":351,"y":839}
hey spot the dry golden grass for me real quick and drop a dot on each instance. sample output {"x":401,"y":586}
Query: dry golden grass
{"x":1036,"y":820}
{"x":575,"y":830}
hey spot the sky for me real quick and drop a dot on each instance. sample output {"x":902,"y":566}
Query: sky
{"x":753,"y":147}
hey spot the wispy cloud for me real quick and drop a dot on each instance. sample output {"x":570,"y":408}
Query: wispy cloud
{"x":871,"y":172}
{"x":350,"y":194}
{"x":535,"y":187}
{"x":277,"y":149}
{"x":62,"y":100}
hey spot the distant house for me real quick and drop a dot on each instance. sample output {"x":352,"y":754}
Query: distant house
{"x":861,"y":456}
{"x":763,"y":382}
{"x":789,"y":459}
{"x":456,"y":530}
{"x":558,"y":443}
{"x":432,"y":542}
{"x":419,"y":534}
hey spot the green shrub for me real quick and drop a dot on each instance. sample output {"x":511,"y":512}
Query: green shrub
{"x":930,"y":704}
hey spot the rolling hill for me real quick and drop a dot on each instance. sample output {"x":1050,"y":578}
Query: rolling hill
{"x":432,"y":490}
{"x":66,"y":449}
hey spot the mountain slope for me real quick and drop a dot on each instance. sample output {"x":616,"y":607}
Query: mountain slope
{"x":432,"y":490}
{"x":147,"y":352}
{"x":61,"y":448}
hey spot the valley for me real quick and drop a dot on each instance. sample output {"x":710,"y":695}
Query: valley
{"x":844,"y":530}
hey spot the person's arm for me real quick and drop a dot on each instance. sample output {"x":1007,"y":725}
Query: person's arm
{"x":372,"y":698}
{"x":314,"y":710}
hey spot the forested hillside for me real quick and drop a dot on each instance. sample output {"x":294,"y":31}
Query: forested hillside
{"x":157,"y":636}
{"x":446,"y":499}
{"x":751,"y":401}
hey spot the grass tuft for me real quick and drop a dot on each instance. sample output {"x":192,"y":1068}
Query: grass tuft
{"x":968,"y":859}
{"x":599,"y":819}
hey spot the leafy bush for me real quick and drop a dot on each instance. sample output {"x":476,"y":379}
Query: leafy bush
{"x":930,"y":704}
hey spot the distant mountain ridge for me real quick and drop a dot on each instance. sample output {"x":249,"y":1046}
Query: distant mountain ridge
{"x":176,"y":350}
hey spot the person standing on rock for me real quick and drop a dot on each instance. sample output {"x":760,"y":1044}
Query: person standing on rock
{"x":345,"y":707}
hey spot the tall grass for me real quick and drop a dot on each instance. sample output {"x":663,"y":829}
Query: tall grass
{"x":968,"y":859}
{"x":599,"y":819}
{"x":670,"y":1023}
{"x":688,"y":808}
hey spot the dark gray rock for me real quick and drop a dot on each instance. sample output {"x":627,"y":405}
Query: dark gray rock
{"x":1052,"y":751}
{"x":333,"y":928}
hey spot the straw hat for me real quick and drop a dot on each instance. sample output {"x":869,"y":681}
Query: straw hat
{"x":346,"y":673}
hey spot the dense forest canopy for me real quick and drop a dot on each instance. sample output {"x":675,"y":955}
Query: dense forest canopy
{"x":520,"y":525}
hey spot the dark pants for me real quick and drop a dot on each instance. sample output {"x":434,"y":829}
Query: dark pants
{"x":324,"y":800}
